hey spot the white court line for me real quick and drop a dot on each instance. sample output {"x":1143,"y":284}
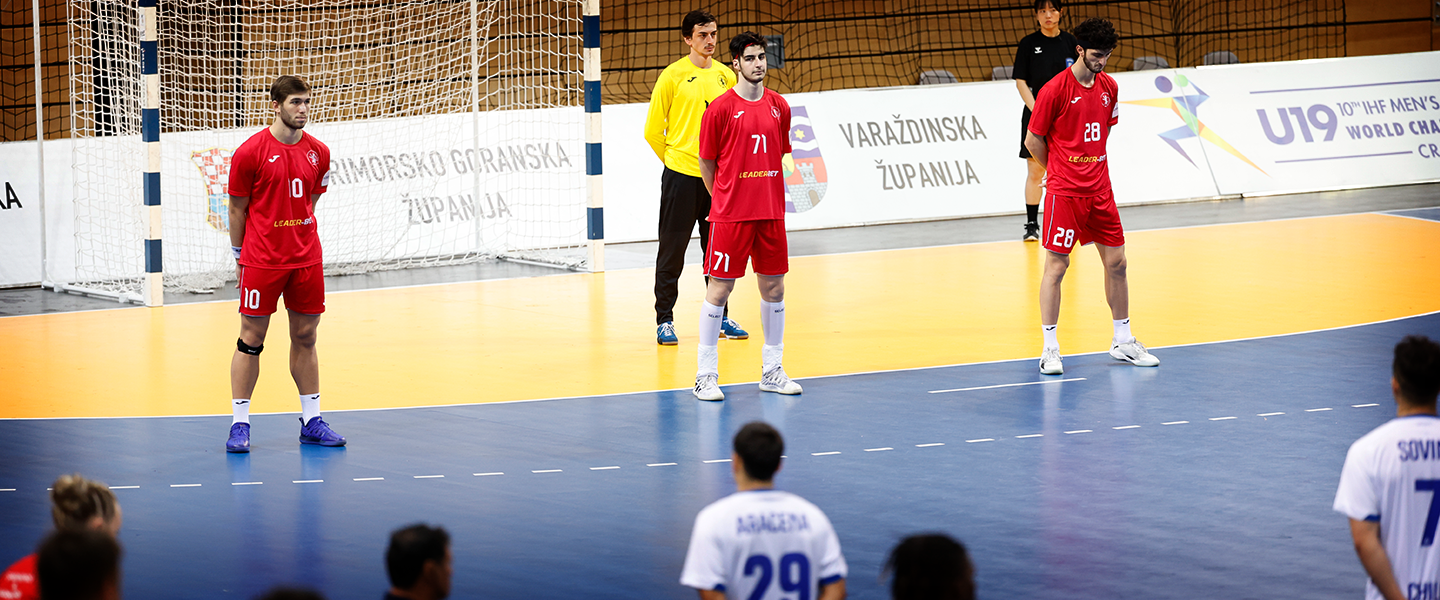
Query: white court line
{"x":1127,"y":427}
{"x":248,"y":483}
{"x":661,"y":464}
{"x":718,"y":460}
{"x":877,"y":449}
{"x":822,"y":453}
{"x":488,"y":474}
{"x":124,"y":487}
{"x":1175,"y":423}
{"x":928,"y":445}
{"x":369,"y":479}
{"x":1004,"y":385}
{"x":1080,"y":431}
{"x":429,"y":476}
{"x":1030,"y":435}
{"x":548,"y":471}
{"x":1222,"y":418}
{"x":979,"y":440}
{"x":175,"y":485}
{"x":308,"y":481}
{"x":603,"y":468}
{"x":1318,"y":409}
{"x":8,"y":490}
{"x":1269,"y":414}
{"x":1364,"y":405}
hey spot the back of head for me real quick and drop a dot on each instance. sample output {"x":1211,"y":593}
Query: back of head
{"x":931,"y":567}
{"x":286,"y":86}
{"x":409,"y":549}
{"x":693,"y":19}
{"x":75,"y":502}
{"x":739,"y":43}
{"x":759,"y":447}
{"x":1096,"y":34}
{"x":283,"y":593}
{"x":1417,"y":369}
{"x":78,"y":564}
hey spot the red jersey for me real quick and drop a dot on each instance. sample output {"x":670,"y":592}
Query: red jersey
{"x":280,"y":230}
{"x":19,"y":582}
{"x":749,"y":177}
{"x":1076,"y":121}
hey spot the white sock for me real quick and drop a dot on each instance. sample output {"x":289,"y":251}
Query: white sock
{"x":1122,"y":331}
{"x":1051,"y":343}
{"x":772,"y":320}
{"x":770,"y":356}
{"x":241,"y":408}
{"x":309,"y":406}
{"x":708,"y":360}
{"x":710,"y":318}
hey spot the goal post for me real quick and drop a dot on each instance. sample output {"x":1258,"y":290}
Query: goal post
{"x":459,"y":131}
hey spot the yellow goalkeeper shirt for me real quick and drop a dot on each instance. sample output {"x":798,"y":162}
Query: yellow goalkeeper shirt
{"x":672,"y":127}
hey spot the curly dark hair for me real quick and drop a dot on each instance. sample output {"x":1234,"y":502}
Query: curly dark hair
{"x":930,"y":566}
{"x":739,"y":43}
{"x":1096,"y":34}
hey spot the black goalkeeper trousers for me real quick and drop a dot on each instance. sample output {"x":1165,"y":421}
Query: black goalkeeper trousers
{"x":684,"y":203}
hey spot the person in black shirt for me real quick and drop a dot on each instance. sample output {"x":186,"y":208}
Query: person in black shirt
{"x":1038,"y":58}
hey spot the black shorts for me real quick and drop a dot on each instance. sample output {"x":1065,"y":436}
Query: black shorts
{"x":1024,"y":128}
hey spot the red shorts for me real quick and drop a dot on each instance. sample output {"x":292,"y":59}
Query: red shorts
{"x":761,"y":242}
{"x":303,"y":288}
{"x":1080,"y":220}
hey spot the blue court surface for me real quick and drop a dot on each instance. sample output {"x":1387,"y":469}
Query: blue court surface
{"x":1209,"y":477}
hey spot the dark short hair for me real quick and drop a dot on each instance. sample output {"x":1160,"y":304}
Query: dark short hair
{"x":286,"y":86}
{"x":1096,"y":34}
{"x":930,"y":566}
{"x":75,"y":564}
{"x":739,"y":43}
{"x":409,"y":548}
{"x":693,"y":19}
{"x":1417,"y":369}
{"x":285,"y":593}
{"x":759,"y":446}
{"x":1055,"y":4}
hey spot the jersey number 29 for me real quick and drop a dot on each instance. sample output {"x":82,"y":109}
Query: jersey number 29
{"x":794,"y":574}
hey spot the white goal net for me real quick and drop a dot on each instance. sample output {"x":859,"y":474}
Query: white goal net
{"x":455,"y":129}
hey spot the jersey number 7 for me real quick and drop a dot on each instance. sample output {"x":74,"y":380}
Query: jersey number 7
{"x":1427,"y":537}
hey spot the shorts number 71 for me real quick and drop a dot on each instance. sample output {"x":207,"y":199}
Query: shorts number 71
{"x":721,"y":257}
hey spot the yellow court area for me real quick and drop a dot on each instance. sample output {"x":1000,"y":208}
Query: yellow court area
{"x":584,"y":334}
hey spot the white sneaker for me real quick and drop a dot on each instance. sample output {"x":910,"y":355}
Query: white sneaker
{"x":707,"y":387}
{"x":775,"y":380}
{"x":1134,"y":353}
{"x":1050,"y":362}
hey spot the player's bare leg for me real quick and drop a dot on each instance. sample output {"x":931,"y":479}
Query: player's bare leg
{"x":1035,"y":174}
{"x":712,"y":314}
{"x":1117,"y":292}
{"x":305,"y":370}
{"x":1055,"y":267}
{"x":244,"y":372}
{"x":772,"y":317}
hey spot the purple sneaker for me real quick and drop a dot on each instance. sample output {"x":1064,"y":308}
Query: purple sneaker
{"x":317,"y":431}
{"x":239,"y":438}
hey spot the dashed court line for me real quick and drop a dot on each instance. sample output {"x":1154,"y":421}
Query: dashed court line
{"x":549,"y":471}
{"x":1270,"y":414}
{"x":1318,"y":409}
{"x":1223,"y":418}
{"x":488,"y":474}
{"x":121,"y":487}
{"x":1079,"y":431}
{"x":718,"y":460}
{"x":1126,"y":427}
{"x":1364,"y":405}
{"x":824,"y":453}
{"x":932,"y":445}
{"x":1029,"y":435}
{"x":369,"y":479}
{"x":877,"y":449}
{"x":979,"y":440}
{"x":308,"y":481}
{"x":610,"y":468}
{"x":184,"y":485}
{"x":429,"y":476}
{"x":1176,"y":423}
{"x":662,"y":464}
{"x":250,"y":482}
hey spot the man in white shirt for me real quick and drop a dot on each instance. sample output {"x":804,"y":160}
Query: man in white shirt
{"x":761,"y":542}
{"x":1390,"y":485}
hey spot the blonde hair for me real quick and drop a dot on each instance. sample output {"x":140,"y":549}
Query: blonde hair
{"x":75,"y":501}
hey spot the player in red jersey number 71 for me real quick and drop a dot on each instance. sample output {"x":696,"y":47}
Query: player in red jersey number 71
{"x":743,"y":137}
{"x":1068,"y":130}
{"x":276,"y":178}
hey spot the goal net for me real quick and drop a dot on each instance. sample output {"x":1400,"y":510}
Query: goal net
{"x":455,"y":129}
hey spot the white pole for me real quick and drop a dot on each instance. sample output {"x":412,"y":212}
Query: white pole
{"x":40,"y":140}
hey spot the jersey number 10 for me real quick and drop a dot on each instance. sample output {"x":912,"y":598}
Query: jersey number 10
{"x":791,"y":564}
{"x":297,"y":188}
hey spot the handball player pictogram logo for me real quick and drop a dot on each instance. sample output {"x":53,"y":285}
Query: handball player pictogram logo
{"x":1105,"y":99}
{"x":314,"y":158}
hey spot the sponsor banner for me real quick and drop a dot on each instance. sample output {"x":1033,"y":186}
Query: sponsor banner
{"x":1320,"y":124}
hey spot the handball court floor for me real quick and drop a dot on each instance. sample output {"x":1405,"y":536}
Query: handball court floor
{"x":535,"y":418}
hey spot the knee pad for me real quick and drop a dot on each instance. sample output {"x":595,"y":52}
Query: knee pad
{"x":247,"y":348}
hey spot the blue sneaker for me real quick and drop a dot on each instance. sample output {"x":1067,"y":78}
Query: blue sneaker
{"x":731,"y":330}
{"x":665,"y":334}
{"x":317,"y":431}
{"x":239,"y":438}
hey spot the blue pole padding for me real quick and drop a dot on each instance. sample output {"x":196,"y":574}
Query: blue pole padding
{"x":596,"y":218}
{"x":592,"y":31}
{"x":152,"y":256}
{"x":592,"y":159}
{"x":150,"y":124}
{"x":152,"y":189}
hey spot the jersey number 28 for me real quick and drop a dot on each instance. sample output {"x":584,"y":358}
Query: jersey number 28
{"x":794,"y":574}
{"x":1092,"y":132}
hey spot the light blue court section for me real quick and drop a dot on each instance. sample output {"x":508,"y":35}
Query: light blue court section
{"x":1432,"y":214}
{"x":1209,"y":477}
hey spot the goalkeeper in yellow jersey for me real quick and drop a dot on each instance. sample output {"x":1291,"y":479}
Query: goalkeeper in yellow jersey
{"x":672,"y":128}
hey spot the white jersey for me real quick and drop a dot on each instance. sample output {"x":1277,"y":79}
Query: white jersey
{"x":763,"y":544}
{"x":1392,"y":475}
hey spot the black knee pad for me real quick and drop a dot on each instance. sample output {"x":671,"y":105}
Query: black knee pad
{"x":247,"y":348}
